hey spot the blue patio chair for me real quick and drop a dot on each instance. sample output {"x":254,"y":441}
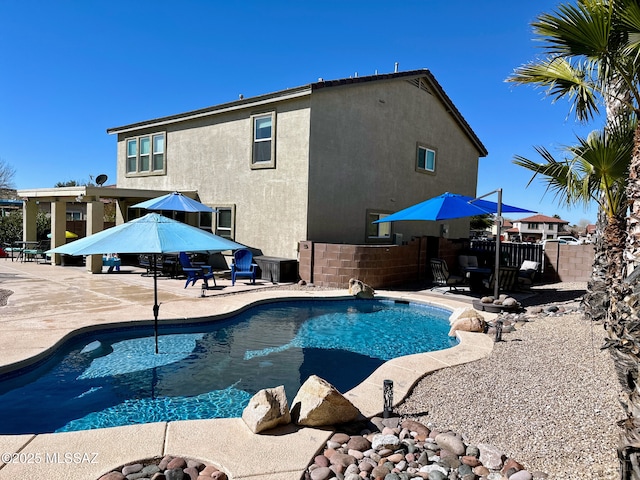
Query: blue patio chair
{"x":195,"y":273}
{"x":243,"y":266}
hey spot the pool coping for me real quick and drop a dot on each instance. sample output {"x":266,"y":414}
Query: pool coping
{"x":224,"y":442}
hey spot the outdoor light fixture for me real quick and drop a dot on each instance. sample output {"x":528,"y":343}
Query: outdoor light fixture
{"x":498,"y":331}
{"x":387,"y":394}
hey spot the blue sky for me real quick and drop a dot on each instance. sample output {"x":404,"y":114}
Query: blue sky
{"x":72,"y":69}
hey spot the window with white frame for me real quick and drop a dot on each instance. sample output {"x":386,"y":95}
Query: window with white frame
{"x":146,"y":154}
{"x":263,"y":146}
{"x":377,"y":232}
{"x":426,"y":159}
{"x":533,"y":226}
{"x":225,"y":221}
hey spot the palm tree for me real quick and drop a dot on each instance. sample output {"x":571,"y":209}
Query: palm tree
{"x":594,"y":170}
{"x":593,"y":49}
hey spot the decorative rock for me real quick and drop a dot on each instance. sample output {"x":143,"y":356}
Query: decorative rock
{"x":318,"y":403}
{"x":521,"y":475}
{"x":218,"y":475}
{"x":490,"y":457}
{"x":174,"y":474}
{"x":129,"y":469}
{"x":177,"y":462}
{"x":164,"y":462}
{"x":437,"y":475}
{"x":358,"y":442}
{"x":267,"y":409}
{"x":321,"y":473}
{"x":512,"y":465}
{"x":481,"y":471}
{"x":113,"y":476}
{"x":321,"y":461}
{"x":342,"y":459}
{"x":360,"y":289}
{"x":192,"y":472}
{"x":340,"y":438}
{"x":488,"y":299}
{"x":451,"y":442}
{"x":380,"y":472}
{"x":510,"y":302}
{"x":470,"y":460}
{"x":379,"y":441}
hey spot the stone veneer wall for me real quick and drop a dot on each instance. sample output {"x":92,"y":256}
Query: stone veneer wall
{"x":333,"y":265}
{"x":568,"y":263}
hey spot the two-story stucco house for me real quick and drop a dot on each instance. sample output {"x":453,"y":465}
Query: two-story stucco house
{"x":318,"y":162}
{"x":539,"y":227}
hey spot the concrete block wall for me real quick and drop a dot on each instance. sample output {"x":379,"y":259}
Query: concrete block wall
{"x":567,"y":263}
{"x":333,"y":265}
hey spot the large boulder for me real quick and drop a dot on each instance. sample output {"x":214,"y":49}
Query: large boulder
{"x":466,"y":320}
{"x":267,"y":409}
{"x":319,"y":404}
{"x":359,"y":289}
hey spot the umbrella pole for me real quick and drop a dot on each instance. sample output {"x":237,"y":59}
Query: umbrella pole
{"x":156,"y":307}
{"x":496,"y":275}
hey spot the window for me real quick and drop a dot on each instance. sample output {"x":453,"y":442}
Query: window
{"x":426,"y":161}
{"x":225,"y":221}
{"x":263,"y":151}
{"x":71,"y":215}
{"x":205,"y":221}
{"x":377,"y":232}
{"x":145,"y":155}
{"x":533,"y":226}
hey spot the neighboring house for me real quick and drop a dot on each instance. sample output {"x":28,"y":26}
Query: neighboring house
{"x":539,"y":227}
{"x":318,"y":162}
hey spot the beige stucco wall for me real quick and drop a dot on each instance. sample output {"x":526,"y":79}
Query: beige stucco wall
{"x":363,"y":155}
{"x":213,"y":156}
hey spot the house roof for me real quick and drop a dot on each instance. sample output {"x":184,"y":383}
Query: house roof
{"x":429,"y":83}
{"x":542,"y":219}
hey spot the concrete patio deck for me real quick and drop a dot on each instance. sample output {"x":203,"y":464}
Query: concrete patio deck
{"x":49,"y":303}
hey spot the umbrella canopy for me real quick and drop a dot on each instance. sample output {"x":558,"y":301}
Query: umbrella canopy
{"x":67,"y":234}
{"x":176,"y":202}
{"x":449,"y":206}
{"x":452,"y":205}
{"x":153,"y":234}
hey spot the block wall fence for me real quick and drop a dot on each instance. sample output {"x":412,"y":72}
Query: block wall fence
{"x":333,"y":265}
{"x":383,"y":266}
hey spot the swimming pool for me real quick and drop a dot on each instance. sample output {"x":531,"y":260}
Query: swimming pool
{"x":211,"y":370}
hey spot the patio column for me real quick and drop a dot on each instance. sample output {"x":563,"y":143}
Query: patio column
{"x":29,"y":224}
{"x":58,"y":228}
{"x":95,"y":224}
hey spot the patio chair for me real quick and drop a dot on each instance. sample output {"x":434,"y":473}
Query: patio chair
{"x":195,"y":273}
{"x":243,"y":266}
{"x":506,"y":282}
{"x":36,"y":253}
{"x":527,"y":274}
{"x":441,"y":275}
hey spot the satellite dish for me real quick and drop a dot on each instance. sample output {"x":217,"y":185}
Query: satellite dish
{"x":100,"y":179}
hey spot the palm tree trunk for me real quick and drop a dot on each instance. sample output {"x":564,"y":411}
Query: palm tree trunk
{"x":623,"y":328}
{"x":596,"y":299}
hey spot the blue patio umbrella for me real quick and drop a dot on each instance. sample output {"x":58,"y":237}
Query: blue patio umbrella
{"x":152,"y":234}
{"x":452,"y":205}
{"x":176,"y":202}
{"x":449,"y":206}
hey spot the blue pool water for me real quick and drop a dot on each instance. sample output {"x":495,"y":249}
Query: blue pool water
{"x":212,"y":369}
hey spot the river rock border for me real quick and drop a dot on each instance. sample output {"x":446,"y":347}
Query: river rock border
{"x":166,"y":468}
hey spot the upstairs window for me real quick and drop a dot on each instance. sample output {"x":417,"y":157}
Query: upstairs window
{"x":426,"y":159}
{"x":145,"y":154}
{"x":263,"y":148}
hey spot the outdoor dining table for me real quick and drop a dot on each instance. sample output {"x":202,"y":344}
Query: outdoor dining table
{"x":476,"y":275}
